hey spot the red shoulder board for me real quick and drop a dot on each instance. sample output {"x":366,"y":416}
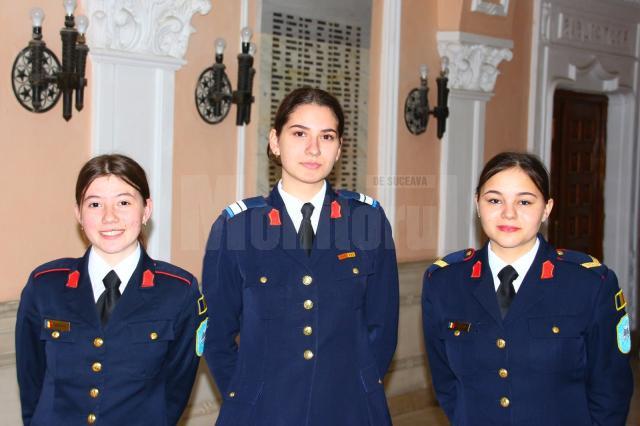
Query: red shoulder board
{"x":46,"y":271}
{"x":178,"y":277}
{"x":147,"y":279}
{"x":335,"y":210}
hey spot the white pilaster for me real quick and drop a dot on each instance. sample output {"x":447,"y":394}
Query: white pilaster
{"x":473,"y":70}
{"x":388,"y":111}
{"x":136,"y":47}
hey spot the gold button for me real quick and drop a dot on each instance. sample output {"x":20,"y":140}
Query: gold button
{"x":263,"y":280}
{"x":456,"y":333}
{"x":97,"y":342}
{"x":96,"y":367}
{"x":232,"y":394}
{"x":555,"y":329}
{"x":308,"y":354}
{"x":55,"y":334}
{"x":503,"y":373}
{"x":153,"y":335}
{"x":307,"y":330}
{"x":504,"y":402}
{"x":500,"y":343}
{"x":307,"y":280}
{"x":91,"y":418}
{"x":355,"y":271}
{"x":93,"y":393}
{"x":308,"y":304}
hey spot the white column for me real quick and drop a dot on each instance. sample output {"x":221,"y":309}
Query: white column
{"x":136,"y":48}
{"x":388,"y":111}
{"x":473,"y":62}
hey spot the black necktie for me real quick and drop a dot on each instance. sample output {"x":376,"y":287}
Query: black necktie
{"x":107,"y":300}
{"x":305,"y":233}
{"x":506,"y":292}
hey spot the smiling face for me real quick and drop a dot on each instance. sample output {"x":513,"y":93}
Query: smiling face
{"x":112,"y":213}
{"x":511,"y":210}
{"x":308,"y":146}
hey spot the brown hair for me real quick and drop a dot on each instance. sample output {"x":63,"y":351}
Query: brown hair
{"x":112,"y":164}
{"x":305,"y":96}
{"x":528,"y":163}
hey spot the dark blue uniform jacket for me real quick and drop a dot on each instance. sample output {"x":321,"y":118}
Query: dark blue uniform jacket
{"x":316,"y":335}
{"x":138,"y":370}
{"x":559,"y":357}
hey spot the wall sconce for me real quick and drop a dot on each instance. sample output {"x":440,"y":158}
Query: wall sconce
{"x":416,"y":107}
{"x":214,"y":95}
{"x":37,"y":76}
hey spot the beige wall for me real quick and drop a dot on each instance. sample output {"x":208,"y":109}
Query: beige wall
{"x":507,"y":112}
{"x":42,"y":154}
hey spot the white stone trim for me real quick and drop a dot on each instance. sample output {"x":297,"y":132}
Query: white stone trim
{"x":154,"y":27}
{"x":473,"y":59}
{"x":473,"y":70}
{"x":489,"y":8}
{"x":388,"y":111}
{"x":568,"y":53}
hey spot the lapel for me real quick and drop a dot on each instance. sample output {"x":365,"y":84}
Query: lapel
{"x":535,"y":285}
{"x":322,"y":243}
{"x":79,"y":300}
{"x":135,"y":295}
{"x":288,"y":237}
{"x":484,"y":290}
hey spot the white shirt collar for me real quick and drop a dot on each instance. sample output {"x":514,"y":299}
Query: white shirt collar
{"x":293,"y":206}
{"x":99,"y":268}
{"x":521,"y":265}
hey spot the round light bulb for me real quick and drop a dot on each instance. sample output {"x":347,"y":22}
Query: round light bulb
{"x":82,"y":23}
{"x":246,"y":34}
{"x":69,"y":6}
{"x":424,"y":71}
{"x":220,"y":45}
{"x":252,"y":49}
{"x":37,"y":16}
{"x":445,"y":64}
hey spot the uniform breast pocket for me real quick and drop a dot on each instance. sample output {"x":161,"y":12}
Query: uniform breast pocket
{"x":556,"y":343}
{"x":461,"y":345}
{"x":265,"y":294}
{"x":61,"y":351}
{"x":348,"y":281}
{"x":150,"y":341}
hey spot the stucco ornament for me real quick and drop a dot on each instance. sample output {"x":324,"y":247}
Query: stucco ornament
{"x":473,"y":66}
{"x":150,"y":27}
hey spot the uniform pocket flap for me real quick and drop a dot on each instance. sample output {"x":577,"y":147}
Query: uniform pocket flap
{"x":56,"y":335}
{"x":264,"y":279}
{"x":353,"y":267}
{"x":151,"y":331}
{"x":248,"y":392}
{"x":371,"y":380}
{"x":555,"y":327}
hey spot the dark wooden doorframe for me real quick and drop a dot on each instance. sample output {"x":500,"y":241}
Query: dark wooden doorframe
{"x":578,"y":158}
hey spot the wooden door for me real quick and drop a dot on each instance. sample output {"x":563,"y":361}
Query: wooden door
{"x":577,"y":171}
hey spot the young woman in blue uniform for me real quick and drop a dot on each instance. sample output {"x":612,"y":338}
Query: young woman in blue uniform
{"x":303,"y":287}
{"x":108,"y":338}
{"x":519,"y":332}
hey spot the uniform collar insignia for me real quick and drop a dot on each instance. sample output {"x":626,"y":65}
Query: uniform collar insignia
{"x":547,"y":270}
{"x":72,"y":280}
{"x":147,"y":279}
{"x":335,"y":210}
{"x":274,"y":218}
{"x":476,"y":270}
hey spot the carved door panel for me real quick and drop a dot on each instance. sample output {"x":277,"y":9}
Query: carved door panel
{"x":577,"y":171}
